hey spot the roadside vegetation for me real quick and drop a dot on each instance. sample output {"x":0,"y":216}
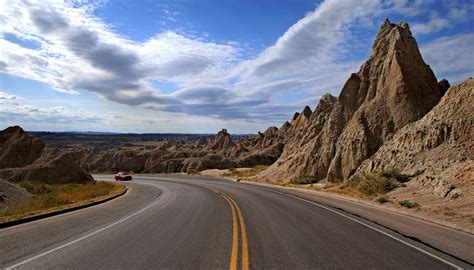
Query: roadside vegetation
{"x":373,"y":184}
{"x":304,"y":180}
{"x":243,"y":173}
{"x":383,"y":199}
{"x":48,"y":198}
{"x":193,"y":172}
{"x":409,"y":204}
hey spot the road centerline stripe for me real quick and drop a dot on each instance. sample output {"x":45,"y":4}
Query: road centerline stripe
{"x":235,"y":235}
{"x":243,"y":231}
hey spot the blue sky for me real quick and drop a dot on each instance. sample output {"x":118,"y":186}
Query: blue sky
{"x":198,"y":66}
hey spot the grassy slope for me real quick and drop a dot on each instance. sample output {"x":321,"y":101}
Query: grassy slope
{"x":47,"y":198}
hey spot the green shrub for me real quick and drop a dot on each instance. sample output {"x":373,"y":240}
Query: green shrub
{"x":408,"y":204}
{"x":193,"y":172}
{"x":36,"y":188}
{"x":304,"y":180}
{"x":3,"y":211}
{"x":382,"y":199}
{"x":371,"y":184}
{"x":395,"y":174}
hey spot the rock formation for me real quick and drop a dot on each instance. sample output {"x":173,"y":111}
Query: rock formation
{"x":297,"y":156}
{"x":443,"y":86}
{"x":222,"y":141}
{"x":11,"y":194}
{"x":393,"y":88}
{"x":24,"y":157}
{"x":220,"y":152}
{"x":110,"y":161}
{"x":437,"y":151}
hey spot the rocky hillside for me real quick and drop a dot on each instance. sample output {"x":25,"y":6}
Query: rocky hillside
{"x":24,"y":157}
{"x":393,"y":88}
{"x":437,"y":151}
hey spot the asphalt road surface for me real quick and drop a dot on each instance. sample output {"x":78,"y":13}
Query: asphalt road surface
{"x":178,"y":222}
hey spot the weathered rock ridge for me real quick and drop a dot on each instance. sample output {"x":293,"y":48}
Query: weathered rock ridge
{"x":393,"y":88}
{"x":24,"y":157}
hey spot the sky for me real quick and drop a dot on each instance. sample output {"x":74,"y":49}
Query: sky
{"x":196,"y":66}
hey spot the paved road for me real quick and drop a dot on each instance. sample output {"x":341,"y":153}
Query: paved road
{"x":177,"y":222}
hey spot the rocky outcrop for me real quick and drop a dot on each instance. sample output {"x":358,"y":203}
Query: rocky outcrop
{"x":443,"y":86}
{"x":437,"y":151}
{"x":222,"y":141}
{"x":11,"y":194}
{"x":24,"y":157}
{"x":393,"y":88}
{"x":298,"y":157}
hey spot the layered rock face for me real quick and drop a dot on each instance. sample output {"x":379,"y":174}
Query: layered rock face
{"x":437,"y":151}
{"x":393,"y":87}
{"x":24,"y":157}
{"x":301,"y":139}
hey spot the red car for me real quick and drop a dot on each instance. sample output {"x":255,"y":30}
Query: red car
{"x":123,"y":176}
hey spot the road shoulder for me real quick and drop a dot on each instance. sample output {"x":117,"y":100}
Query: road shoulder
{"x":459,"y":243}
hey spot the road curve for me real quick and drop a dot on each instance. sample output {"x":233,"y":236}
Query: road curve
{"x":178,"y":222}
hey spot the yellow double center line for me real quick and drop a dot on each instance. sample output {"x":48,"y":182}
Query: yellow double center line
{"x":237,"y":217}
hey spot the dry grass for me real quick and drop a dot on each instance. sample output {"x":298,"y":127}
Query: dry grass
{"x":341,"y":189}
{"x":243,"y":173}
{"x":304,"y":180}
{"x":292,"y":184}
{"x":449,"y":212}
{"x":48,"y":198}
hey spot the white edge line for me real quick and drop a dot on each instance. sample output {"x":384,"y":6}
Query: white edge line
{"x":368,"y":226}
{"x":159,"y":199}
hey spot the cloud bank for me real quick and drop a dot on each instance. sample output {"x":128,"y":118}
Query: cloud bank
{"x":72,"y":51}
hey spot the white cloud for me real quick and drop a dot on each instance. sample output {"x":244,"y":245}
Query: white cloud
{"x":17,"y":113}
{"x":7,"y":96}
{"x":454,"y":12}
{"x":451,"y":57}
{"x":78,"y":51}
{"x":433,"y":25}
{"x":313,"y":41}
